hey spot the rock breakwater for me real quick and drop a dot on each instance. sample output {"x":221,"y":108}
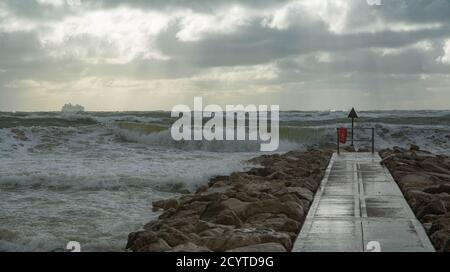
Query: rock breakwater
{"x":424,"y":179}
{"x":262,"y":209}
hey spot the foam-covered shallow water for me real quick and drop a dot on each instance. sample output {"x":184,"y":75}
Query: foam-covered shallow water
{"x":91,"y":177}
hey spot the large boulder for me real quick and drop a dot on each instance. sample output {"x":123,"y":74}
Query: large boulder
{"x":246,"y":237}
{"x":416,"y":181}
{"x":442,"y":223}
{"x":291,"y":209}
{"x":435,"y":207}
{"x":165,"y":204}
{"x":417,"y":199}
{"x":146,"y":241}
{"x":441,"y":240}
{"x":433,"y":165}
{"x":173,"y":237}
{"x":442,"y":188}
{"x":414,"y":147}
{"x":302,"y":193}
{"x":227,"y":212}
{"x":228,"y":217}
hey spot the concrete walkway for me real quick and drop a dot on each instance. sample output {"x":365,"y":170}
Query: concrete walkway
{"x":359,"y":206}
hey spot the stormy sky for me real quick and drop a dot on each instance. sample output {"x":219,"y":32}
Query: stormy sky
{"x":152,"y":55}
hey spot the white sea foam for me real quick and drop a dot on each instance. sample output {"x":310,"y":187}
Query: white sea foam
{"x":62,"y":184}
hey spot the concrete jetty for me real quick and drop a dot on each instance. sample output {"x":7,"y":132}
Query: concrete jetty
{"x":359,"y":208}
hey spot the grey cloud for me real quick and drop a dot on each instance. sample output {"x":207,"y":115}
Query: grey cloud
{"x":355,"y":62}
{"x":34,"y":10}
{"x":256,"y":44}
{"x":417,"y":10}
{"x":410,"y":61}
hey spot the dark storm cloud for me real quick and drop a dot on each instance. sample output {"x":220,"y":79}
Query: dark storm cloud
{"x":22,"y":57}
{"x":36,"y":10}
{"x":398,"y":46}
{"x":416,"y":11}
{"x":255,"y":44}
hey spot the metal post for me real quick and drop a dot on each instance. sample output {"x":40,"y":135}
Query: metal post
{"x":352,"y":130}
{"x":337,"y":137}
{"x":373,"y":140}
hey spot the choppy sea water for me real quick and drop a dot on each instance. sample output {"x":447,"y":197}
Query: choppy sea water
{"x":91,"y":177}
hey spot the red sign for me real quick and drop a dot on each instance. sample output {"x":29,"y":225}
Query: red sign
{"x":343,"y":135}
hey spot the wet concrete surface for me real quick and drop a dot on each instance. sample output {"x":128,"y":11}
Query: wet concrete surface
{"x":358,"y":204}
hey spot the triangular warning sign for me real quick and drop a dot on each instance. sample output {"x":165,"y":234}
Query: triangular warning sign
{"x":352,"y":114}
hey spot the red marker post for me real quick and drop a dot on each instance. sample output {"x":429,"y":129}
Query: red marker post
{"x":341,"y":137}
{"x":343,"y":132}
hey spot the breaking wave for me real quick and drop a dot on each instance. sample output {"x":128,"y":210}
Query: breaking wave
{"x":434,"y":138}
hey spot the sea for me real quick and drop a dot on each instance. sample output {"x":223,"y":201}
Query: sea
{"x":91,"y":177}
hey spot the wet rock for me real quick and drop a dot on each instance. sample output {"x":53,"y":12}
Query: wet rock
{"x":282,"y":175}
{"x":302,"y":193}
{"x":302,"y":202}
{"x":228,"y":217}
{"x":202,"y":189}
{"x":420,"y":156}
{"x":443,"y":188}
{"x":282,"y":223}
{"x":262,"y":172}
{"x":397,"y":149}
{"x":433,"y":165}
{"x":435,"y":207}
{"x":414,"y":147}
{"x":159,"y":246}
{"x":173,"y":237}
{"x":441,"y":223}
{"x":206,"y":197}
{"x":418,"y":199}
{"x":165,"y":204}
{"x":428,"y":220}
{"x":441,"y":240}
{"x":235,"y":205}
{"x":244,"y":196}
{"x":218,"y":181}
{"x":168,"y":213}
{"x":418,"y":181}
{"x":146,"y":241}
{"x":291,"y":209}
{"x":226,"y":212}
{"x":248,"y":237}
